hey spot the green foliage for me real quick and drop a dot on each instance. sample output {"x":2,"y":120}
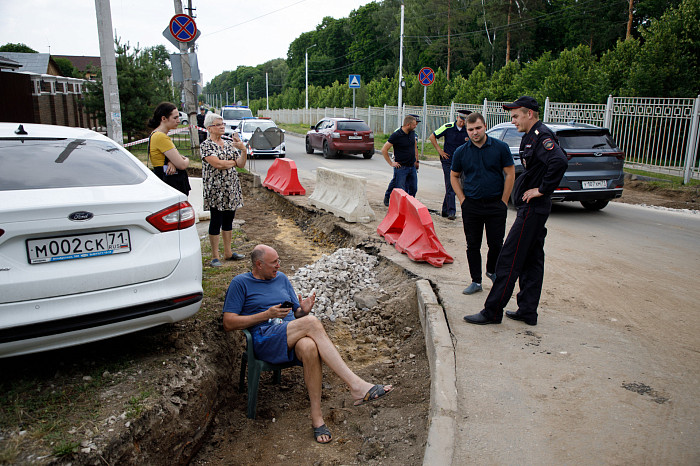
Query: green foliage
{"x":576,"y":77}
{"x":20,"y":48}
{"x":555,"y":47}
{"x":66,"y":68}
{"x":669,"y":58}
{"x":143,"y":79}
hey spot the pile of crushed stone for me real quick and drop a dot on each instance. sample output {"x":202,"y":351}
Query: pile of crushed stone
{"x":343,"y":281}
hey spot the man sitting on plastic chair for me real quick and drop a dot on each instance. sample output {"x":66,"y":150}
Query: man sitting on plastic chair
{"x":281,"y":334}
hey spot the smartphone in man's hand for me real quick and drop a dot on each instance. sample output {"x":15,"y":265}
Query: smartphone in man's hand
{"x":287,"y":304}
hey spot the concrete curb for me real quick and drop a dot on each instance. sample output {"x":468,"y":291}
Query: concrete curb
{"x":440,"y":446}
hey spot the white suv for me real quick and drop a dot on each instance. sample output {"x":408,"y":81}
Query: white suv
{"x":232,"y":115}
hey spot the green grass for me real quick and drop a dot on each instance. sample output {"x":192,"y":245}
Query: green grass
{"x":670,"y":181}
{"x":135,"y":405}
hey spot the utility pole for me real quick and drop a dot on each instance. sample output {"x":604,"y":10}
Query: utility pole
{"x":306,"y":60}
{"x":187,"y":85}
{"x":108,"y":62}
{"x":401,"y":83}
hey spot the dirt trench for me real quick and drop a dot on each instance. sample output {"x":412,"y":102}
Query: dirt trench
{"x":170,"y":395}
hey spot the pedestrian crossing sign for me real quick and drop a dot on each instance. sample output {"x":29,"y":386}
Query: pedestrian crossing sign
{"x":354,"y":81}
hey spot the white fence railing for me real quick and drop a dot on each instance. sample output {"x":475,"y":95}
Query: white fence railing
{"x":656,"y":134}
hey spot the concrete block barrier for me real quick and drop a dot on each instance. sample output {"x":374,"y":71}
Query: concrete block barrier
{"x":196,"y":198}
{"x":343,"y":195}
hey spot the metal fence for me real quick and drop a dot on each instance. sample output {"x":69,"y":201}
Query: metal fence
{"x":657,"y":134}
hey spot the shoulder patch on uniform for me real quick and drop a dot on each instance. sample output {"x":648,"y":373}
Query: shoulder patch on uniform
{"x":449,"y":125}
{"x":548,"y":144}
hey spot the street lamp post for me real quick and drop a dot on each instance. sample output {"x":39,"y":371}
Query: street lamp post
{"x":306,"y":56}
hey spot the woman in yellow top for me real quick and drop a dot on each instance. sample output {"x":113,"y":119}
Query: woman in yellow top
{"x":168,"y":164}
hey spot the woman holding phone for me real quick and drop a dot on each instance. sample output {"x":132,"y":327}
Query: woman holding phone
{"x":168,"y":164}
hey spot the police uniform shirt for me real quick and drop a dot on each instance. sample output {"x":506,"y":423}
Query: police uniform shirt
{"x":544,"y":165}
{"x":482,"y":167}
{"x":404,"y":147}
{"x":454,"y":136}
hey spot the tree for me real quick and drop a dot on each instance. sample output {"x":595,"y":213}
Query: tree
{"x":576,"y":77}
{"x":669,"y":58}
{"x":66,"y":68}
{"x":143,"y":78}
{"x":21,"y":48}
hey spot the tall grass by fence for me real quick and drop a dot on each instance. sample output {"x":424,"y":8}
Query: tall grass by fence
{"x":657,"y":134}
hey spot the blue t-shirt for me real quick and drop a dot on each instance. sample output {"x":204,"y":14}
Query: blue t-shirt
{"x":247,"y":295}
{"x":482,"y":167}
{"x":404,"y":147}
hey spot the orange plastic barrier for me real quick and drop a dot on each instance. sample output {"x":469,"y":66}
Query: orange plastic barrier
{"x":409,"y":227}
{"x":282,"y":177}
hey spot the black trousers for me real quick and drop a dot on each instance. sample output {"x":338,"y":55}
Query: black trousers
{"x":477,"y":215}
{"x":522,"y":259}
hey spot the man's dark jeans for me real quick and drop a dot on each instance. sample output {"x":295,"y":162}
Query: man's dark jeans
{"x":405,"y":178}
{"x":477,"y":215}
{"x":449,"y":206}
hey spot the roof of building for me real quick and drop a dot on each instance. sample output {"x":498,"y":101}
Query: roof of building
{"x":31,"y":62}
{"x":8,"y":64}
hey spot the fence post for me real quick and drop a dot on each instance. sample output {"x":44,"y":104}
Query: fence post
{"x":546,"y":109}
{"x":369,"y":116}
{"x":384,"y":123}
{"x":484,"y":108}
{"x":607,"y":120}
{"x":692,"y":148}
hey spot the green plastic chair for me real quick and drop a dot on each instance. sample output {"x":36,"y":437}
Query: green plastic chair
{"x":255,"y":367}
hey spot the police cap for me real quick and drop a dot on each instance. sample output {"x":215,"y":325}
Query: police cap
{"x":525,"y":101}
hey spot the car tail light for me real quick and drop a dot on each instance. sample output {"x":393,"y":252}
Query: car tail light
{"x":335,"y":135}
{"x":371,"y":135}
{"x":562,"y":189}
{"x":176,"y":217}
{"x":619,"y":155}
{"x":618,"y":186}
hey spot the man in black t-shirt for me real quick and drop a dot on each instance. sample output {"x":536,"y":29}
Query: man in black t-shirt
{"x":405,"y":163}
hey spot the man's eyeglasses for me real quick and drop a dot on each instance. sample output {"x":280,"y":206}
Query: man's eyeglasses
{"x":219,"y":125}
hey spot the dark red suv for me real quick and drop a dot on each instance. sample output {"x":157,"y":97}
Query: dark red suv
{"x":336,"y":136}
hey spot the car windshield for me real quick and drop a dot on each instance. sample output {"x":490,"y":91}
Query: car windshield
{"x":352,"y":126}
{"x":64,"y":163}
{"x":513,"y":137}
{"x":236,"y":113}
{"x":250,"y":126}
{"x":585,"y":140}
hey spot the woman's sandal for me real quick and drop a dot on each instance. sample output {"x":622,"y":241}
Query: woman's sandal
{"x":320,"y":431}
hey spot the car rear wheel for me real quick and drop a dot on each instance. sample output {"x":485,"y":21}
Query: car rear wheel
{"x":594,"y":205}
{"x":327,"y":152}
{"x":309,"y":149}
{"x":368,"y":154}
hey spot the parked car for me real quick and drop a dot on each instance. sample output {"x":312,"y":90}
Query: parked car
{"x":336,"y":136}
{"x":92,"y":244}
{"x":183,"y":119}
{"x":248,"y":127}
{"x":233,"y":115}
{"x":595,"y":174}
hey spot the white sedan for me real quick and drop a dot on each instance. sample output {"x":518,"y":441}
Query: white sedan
{"x":92,"y":244}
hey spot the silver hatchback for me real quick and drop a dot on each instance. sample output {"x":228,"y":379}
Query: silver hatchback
{"x":595,"y":174}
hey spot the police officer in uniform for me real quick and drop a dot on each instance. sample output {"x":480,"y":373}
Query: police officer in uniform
{"x":522,"y":255}
{"x":455,"y":135}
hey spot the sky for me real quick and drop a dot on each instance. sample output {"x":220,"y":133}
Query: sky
{"x":234,"y":32}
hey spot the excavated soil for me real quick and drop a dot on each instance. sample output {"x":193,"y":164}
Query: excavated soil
{"x":170,"y":395}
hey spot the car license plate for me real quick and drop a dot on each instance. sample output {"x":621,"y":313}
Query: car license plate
{"x":78,"y":247}
{"x":354,"y":137}
{"x":594,"y":184}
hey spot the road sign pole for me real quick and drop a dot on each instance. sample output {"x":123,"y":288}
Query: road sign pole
{"x":425,"y":114}
{"x":354,"y":115}
{"x":187,"y":85}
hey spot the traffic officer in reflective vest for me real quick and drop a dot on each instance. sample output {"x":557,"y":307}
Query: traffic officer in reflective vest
{"x":455,"y":135}
{"x":522,"y":255}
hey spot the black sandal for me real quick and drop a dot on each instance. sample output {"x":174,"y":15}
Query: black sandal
{"x":322,"y":430}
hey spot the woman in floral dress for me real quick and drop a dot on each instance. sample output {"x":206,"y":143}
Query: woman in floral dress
{"x":222,"y":188}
